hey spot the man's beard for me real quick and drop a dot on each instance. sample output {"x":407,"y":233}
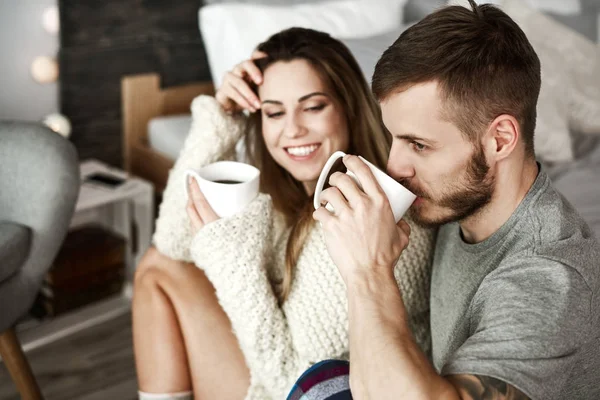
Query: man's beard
{"x":463,"y":199}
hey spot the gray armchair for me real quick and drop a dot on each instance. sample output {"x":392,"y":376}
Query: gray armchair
{"x":39,"y":185}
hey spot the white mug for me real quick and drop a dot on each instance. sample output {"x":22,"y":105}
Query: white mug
{"x":400,"y":198}
{"x":215,"y":182}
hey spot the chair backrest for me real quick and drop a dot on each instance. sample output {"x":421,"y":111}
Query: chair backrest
{"x":38,"y":173}
{"x":39,"y":185}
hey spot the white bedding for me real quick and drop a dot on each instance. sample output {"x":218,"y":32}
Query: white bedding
{"x":167,"y":134}
{"x":579,"y":181}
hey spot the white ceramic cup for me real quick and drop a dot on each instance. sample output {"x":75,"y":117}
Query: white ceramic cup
{"x":400,"y":198}
{"x":226,"y":199}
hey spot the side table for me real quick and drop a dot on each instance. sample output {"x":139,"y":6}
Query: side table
{"x":127,"y":209}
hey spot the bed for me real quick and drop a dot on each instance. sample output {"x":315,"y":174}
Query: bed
{"x":144,"y":103}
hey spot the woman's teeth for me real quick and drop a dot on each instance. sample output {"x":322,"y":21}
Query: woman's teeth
{"x":301,"y":151}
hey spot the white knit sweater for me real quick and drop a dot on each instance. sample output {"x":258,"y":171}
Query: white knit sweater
{"x":242,"y":255}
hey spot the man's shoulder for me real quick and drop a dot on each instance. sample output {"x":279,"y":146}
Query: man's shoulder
{"x":554,"y":215}
{"x":559,"y":275}
{"x":560,"y":234}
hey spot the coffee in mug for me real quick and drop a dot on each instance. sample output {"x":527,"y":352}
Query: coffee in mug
{"x":400,"y":198}
{"x":228,"y":186}
{"x":227,"y":182}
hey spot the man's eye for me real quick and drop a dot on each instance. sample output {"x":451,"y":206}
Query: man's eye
{"x":419,"y":146}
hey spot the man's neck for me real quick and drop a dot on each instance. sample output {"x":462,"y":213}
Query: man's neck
{"x":512,"y":184}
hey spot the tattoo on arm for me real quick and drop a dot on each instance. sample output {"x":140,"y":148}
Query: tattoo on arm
{"x":479,"y":387}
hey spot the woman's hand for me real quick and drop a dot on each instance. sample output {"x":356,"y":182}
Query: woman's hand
{"x":235,"y":93}
{"x":198,"y":209}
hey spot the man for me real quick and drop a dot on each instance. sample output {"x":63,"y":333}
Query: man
{"x":515,"y":291}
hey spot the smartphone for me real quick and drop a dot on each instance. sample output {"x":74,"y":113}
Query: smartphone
{"x":104,"y":179}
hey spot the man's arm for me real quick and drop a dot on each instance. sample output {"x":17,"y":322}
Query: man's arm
{"x":365,"y":243}
{"x":386,"y":362}
{"x":483,"y":387}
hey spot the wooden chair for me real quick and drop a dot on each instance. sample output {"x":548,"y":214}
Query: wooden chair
{"x":141,"y":100}
{"x":40,"y":184}
{"x":18,"y":367}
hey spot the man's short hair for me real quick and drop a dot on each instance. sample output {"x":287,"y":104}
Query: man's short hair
{"x":482,"y":61}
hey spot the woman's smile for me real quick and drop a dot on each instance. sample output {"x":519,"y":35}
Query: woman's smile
{"x":302,"y":153}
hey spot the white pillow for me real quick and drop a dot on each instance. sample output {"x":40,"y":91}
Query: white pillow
{"x":232,"y":31}
{"x":598,"y":26}
{"x":570,"y":93}
{"x":564,"y":7}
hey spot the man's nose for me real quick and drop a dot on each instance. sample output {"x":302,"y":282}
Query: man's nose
{"x":399,"y":164}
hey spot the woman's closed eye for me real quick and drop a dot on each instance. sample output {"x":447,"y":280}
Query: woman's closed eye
{"x":279,"y":114}
{"x":275,"y":114}
{"x":316,"y":108}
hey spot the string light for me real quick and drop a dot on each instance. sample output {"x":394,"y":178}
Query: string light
{"x":44,"y":69}
{"x":50,"y":20}
{"x":58,"y":123}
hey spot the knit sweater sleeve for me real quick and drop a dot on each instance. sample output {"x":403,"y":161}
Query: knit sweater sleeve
{"x":213,"y":136}
{"x":413,"y":275}
{"x":234,"y":253}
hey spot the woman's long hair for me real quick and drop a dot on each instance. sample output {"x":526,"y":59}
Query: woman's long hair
{"x":340,"y":72}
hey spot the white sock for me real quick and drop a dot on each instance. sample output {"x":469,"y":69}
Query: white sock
{"x":166,"y":396}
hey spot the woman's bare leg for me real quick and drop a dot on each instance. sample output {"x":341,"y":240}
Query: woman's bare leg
{"x":182,"y":337}
{"x":160,"y":355}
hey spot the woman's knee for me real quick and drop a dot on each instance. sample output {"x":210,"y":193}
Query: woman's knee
{"x":151,"y":260}
{"x":151,"y":271}
{"x":147,"y":279}
{"x":183,"y":283}
{"x":156,"y":270}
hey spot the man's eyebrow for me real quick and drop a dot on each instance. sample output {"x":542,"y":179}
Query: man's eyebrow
{"x":414,"y":138}
{"x":300,"y":100}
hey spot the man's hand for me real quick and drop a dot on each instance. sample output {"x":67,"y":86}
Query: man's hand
{"x":360,"y":235}
{"x":198,"y":209}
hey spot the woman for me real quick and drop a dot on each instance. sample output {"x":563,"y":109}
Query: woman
{"x":264,"y":273}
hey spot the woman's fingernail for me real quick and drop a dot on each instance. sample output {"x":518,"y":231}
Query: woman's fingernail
{"x":257,"y":104}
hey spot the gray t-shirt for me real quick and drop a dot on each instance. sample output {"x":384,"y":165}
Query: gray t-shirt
{"x":523,"y":306}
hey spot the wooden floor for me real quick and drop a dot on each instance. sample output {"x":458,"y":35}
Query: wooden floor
{"x":94,"y":364}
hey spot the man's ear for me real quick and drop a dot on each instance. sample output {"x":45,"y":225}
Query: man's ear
{"x":502,"y":137}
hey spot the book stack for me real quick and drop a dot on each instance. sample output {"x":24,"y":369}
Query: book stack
{"x":89,"y":267}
